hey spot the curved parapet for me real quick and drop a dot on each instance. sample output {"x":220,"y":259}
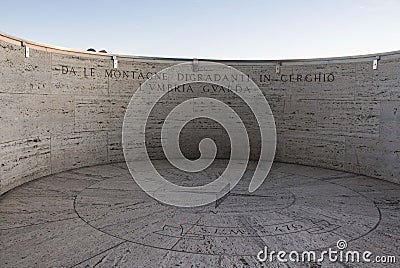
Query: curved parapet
{"x":63,"y":109}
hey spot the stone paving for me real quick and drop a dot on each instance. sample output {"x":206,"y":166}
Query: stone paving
{"x":98,"y":217}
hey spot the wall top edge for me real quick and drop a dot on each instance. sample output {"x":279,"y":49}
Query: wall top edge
{"x":346,"y":59}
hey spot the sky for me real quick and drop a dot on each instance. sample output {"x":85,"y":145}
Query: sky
{"x":212,"y":29}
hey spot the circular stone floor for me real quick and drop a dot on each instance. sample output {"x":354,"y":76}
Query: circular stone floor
{"x":98,"y":216}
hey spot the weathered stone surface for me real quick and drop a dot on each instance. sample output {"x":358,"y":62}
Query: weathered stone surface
{"x":390,"y":120}
{"x":23,"y":160}
{"x":24,"y":75}
{"x":11,"y":63}
{"x":334,"y":113}
{"x":114,"y":142}
{"x":349,"y":118}
{"x":72,"y":75}
{"x":380,"y":84}
{"x":130,"y":75}
{"x":118,"y":105}
{"x":55,"y":115}
{"x":328,"y":151}
{"x":92,"y":113}
{"x":78,"y":150}
{"x":364,"y":155}
{"x":19,"y":114}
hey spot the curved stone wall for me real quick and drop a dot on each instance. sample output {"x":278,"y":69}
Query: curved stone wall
{"x":64,"y":109}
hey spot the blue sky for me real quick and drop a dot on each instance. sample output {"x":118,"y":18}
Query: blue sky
{"x":222,"y":29}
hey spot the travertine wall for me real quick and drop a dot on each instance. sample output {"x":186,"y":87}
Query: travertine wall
{"x":62,"y":110}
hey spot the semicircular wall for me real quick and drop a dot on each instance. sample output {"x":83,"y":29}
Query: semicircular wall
{"x":63,"y":109}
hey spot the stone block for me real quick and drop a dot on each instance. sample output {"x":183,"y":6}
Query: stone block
{"x":72,"y":75}
{"x":78,"y":150}
{"x":379,"y":84}
{"x":390,"y":120}
{"x":56,"y":114}
{"x":114,"y":142}
{"x":23,"y":160}
{"x":92,"y":113}
{"x":18,"y":116}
